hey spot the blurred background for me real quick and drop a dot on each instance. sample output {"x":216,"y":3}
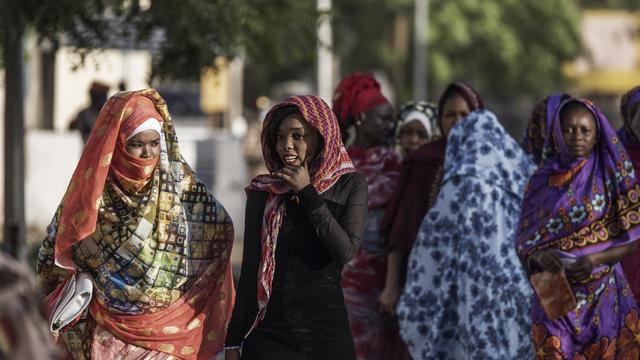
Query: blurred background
{"x":220,"y":65}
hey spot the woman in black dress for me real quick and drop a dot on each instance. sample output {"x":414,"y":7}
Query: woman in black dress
{"x":313,"y":206}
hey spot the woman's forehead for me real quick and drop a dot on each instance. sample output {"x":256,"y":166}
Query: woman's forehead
{"x":293,"y":122}
{"x":146,"y":135}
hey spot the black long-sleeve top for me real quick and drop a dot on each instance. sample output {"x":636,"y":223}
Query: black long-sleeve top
{"x":319,"y":234}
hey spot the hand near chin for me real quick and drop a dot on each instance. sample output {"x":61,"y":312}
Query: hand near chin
{"x":296,"y":176}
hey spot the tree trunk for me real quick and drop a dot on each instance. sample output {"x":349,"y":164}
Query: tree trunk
{"x":14,"y":220}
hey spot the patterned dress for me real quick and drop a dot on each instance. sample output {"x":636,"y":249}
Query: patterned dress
{"x":465,"y":295}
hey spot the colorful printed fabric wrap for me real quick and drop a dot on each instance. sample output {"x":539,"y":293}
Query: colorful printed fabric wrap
{"x":582,"y":205}
{"x":331,"y":163}
{"x":466,"y":296}
{"x":159,"y":257}
{"x":425,"y":112}
{"x":381,"y":167}
{"x":536,"y":142}
{"x":578,"y":207}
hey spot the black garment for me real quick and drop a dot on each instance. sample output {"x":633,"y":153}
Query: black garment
{"x":306,"y":317}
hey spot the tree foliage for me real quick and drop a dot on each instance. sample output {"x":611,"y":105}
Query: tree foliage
{"x":186,"y":35}
{"x":501,"y":46}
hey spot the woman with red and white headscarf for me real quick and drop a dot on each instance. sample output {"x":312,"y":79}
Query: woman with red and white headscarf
{"x":155,"y":243}
{"x":358,"y":102}
{"x":303,"y":222}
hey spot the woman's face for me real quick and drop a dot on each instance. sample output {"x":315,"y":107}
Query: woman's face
{"x":377,"y":126}
{"x":455,"y":108}
{"x":297,"y":141}
{"x":144,"y":145}
{"x":579,"y":132}
{"x":412,"y":136}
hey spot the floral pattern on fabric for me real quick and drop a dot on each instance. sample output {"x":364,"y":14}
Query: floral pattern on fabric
{"x":466,"y":296}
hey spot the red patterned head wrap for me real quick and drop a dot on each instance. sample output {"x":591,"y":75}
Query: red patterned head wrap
{"x":355,"y":94}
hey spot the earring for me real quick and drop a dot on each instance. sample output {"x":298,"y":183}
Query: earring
{"x":358,"y":123}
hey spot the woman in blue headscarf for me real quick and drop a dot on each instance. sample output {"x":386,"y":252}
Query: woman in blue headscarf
{"x":466,"y":296}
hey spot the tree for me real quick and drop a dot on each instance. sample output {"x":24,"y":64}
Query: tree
{"x":187,"y":36}
{"x":501,"y":46}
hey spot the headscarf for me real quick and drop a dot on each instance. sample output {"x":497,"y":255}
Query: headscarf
{"x":629,"y":100}
{"x":423,"y":111}
{"x":535,"y":141}
{"x":155,"y":241}
{"x":463,"y":276}
{"x":627,"y":137}
{"x":581,"y":205}
{"x":105,"y":152}
{"x":325,"y":170}
{"x":470,"y":96}
{"x":355,"y":94}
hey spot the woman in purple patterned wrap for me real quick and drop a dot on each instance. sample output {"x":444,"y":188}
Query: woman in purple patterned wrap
{"x":581,"y":213}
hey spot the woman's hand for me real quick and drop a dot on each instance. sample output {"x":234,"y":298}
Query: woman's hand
{"x":545,"y":260}
{"x":232,"y":354}
{"x":296,"y":176}
{"x":580,"y":270}
{"x":388,"y":300}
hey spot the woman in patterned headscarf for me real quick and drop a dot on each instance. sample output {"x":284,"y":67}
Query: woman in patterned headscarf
{"x":304,"y":221}
{"x":152,"y":238}
{"x":419,"y":184}
{"x":465,"y":295}
{"x":580,"y":217}
{"x":417,"y":125}
{"x":359,"y":104}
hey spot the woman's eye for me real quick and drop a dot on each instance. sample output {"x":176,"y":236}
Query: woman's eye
{"x":298,"y":136}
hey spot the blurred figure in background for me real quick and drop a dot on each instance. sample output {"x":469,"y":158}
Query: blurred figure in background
{"x":358,"y":102}
{"x":419,"y":185}
{"x":629,"y":135}
{"x":417,"y":125}
{"x":24,"y":333}
{"x":154,"y":241}
{"x":539,"y":123}
{"x":87,"y":117}
{"x":466,"y":296}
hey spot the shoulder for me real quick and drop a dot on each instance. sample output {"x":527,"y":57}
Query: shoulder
{"x":347,"y":185}
{"x":352,"y":180}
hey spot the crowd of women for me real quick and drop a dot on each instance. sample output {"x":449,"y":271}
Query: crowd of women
{"x":373,"y":236}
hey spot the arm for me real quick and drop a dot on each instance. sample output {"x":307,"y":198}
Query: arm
{"x":581,"y":269}
{"x":246,"y":306}
{"x":341,"y":237}
{"x":396,"y":264}
{"x":614,"y":254}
